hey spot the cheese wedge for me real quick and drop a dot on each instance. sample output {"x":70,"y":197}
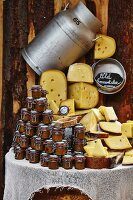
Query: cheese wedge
{"x":109,"y":113}
{"x":101,"y":109}
{"x":70,"y":104}
{"x":53,"y":106}
{"x":118,"y":143}
{"x":127,"y":129}
{"x":127,"y":160}
{"x":129,"y":153}
{"x":89,"y":121}
{"x":98,"y":114}
{"x":105,"y":47}
{"x":111,"y":127}
{"x":85,"y":95}
{"x":129,"y":121}
{"x":54,"y":81}
{"x":80,"y":72}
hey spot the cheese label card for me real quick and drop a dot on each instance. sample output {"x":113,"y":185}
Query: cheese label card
{"x":109,"y":80}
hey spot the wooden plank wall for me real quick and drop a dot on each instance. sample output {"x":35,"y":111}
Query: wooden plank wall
{"x":23,"y":20}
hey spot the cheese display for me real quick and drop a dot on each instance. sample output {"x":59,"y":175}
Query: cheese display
{"x":89,"y":121}
{"x":118,"y":143}
{"x":98,"y":114}
{"x":108,"y":113}
{"x":85,"y":95}
{"x":70,"y":104}
{"x":127,"y":129}
{"x":54,"y":81}
{"x":80,"y":72}
{"x":111,"y":127}
{"x":105,"y":47}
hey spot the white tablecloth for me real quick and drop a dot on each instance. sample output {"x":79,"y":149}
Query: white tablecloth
{"x":22,"y":179}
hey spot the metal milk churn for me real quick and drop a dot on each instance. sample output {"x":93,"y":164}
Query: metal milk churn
{"x":68,"y":36}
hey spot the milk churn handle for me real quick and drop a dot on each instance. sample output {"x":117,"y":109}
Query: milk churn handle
{"x":97,"y":38}
{"x":66,"y":6}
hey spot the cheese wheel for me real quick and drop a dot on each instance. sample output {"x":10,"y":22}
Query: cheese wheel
{"x":85,"y":95}
{"x":80,"y":72}
{"x":54,"y":81}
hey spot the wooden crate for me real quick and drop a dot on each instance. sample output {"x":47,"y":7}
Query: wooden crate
{"x":23,"y":19}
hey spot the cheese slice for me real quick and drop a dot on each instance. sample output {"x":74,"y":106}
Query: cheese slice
{"x":129,"y":121}
{"x":109,"y":113}
{"x":85,"y":95}
{"x":129,"y":153}
{"x":105,"y":47}
{"x":70,"y":104}
{"x":111,"y":127}
{"x":80,"y":72}
{"x":118,"y":143}
{"x":89,"y":121}
{"x":127,"y":160}
{"x":127,"y":129}
{"x":98,"y":114}
{"x":101,"y":109}
{"x":54,"y":81}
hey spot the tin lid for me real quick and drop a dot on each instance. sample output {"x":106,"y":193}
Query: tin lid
{"x":29,"y":125}
{"x":49,"y":141}
{"x":79,"y":127}
{"x":63,"y":110}
{"x":61,"y":144}
{"x":30,"y":99}
{"x":53,"y":158}
{"x":20,"y":122}
{"x":24,"y":110}
{"x":79,"y":157}
{"x":41,"y":100}
{"x":48,"y":112}
{"x":109,"y":75}
{"x":43,"y":128}
{"x":17,"y":133}
{"x":34,"y":151}
{"x":36,"y":87}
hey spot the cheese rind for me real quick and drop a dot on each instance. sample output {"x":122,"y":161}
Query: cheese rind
{"x":70,"y":104}
{"x":118,"y":143}
{"x":111,"y":127}
{"x":80,"y":72}
{"x":54,"y":81}
{"x":127,"y":129}
{"x":105,"y":47}
{"x":85,"y":95}
{"x":89,"y":121}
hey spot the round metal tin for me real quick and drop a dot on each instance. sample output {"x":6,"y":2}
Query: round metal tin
{"x":109,"y":75}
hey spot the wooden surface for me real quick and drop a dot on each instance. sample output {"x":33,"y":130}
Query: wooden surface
{"x":23,"y":19}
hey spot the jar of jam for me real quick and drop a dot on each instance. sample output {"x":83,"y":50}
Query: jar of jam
{"x":39,"y":144}
{"x":30,"y":129}
{"x":33,"y":141}
{"x":53,"y":162}
{"x":79,"y":161}
{"x":28,"y":153}
{"x":44,"y":93}
{"x":20,"y":126}
{"x":61,"y":148}
{"x":79,"y":145}
{"x":34,"y":117}
{"x":47,"y":116}
{"x":67,"y":161}
{"x":30,"y":103}
{"x":25,"y":115}
{"x":16,"y":137}
{"x":34,"y":156}
{"x":24,"y":141}
{"x":57,"y":134}
{"x":41,"y":104}
{"x":79,"y":132}
{"x":44,"y":159}
{"x":49,"y":146}
{"x":43,"y":132}
{"x":36,"y":91}
{"x":19,"y":153}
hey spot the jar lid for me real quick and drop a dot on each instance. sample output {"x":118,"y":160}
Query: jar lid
{"x":36,"y":87}
{"x":20,"y":122}
{"x":44,"y":153}
{"x":30,"y":99}
{"x":41,"y":100}
{"x":18,"y":148}
{"x":78,"y":153}
{"x":40,"y":124}
{"x":17,"y":133}
{"x":43,"y":128}
{"x":79,"y":157}
{"x":53,"y":158}
{"x":81,"y":127}
{"x":67,"y":157}
{"x":60,"y":143}
{"x":28,"y":124}
{"x":34,"y":151}
{"x":34,"y":137}
{"x":23,"y":136}
{"x":38,"y":139}
{"x":49,"y":141}
{"x":47,"y":111}
{"x":24,"y":110}
{"x":28,"y":149}
{"x":57,"y":129}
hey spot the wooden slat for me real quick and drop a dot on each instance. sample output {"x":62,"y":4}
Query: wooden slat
{"x":1,"y":78}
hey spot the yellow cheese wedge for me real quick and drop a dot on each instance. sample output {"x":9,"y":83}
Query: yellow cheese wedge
{"x":80,"y":72}
{"x":89,"y":121}
{"x":85,"y":95}
{"x":129,"y":121}
{"x":97,"y":150}
{"x":127,"y":129}
{"x":98,"y":114}
{"x":105,"y":47}
{"x":109,"y":113}
{"x":54,"y":81}
{"x":118,"y":143}
{"x":70,"y":104}
{"x":127,"y":160}
{"x":101,"y":109}
{"x":111,"y":127}
{"x":129,"y":153}
{"x":53,"y":106}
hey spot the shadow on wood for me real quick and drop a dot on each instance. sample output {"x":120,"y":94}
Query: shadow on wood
{"x":63,"y":193}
